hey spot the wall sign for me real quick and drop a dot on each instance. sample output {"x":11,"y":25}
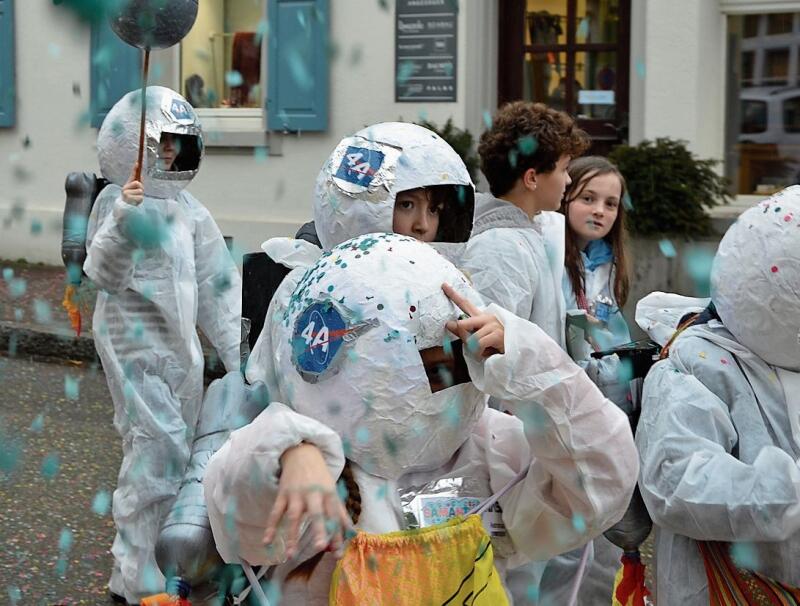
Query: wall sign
{"x":426,"y":50}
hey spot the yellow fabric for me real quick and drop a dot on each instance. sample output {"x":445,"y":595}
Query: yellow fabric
{"x":614,"y":600}
{"x":450,"y":563}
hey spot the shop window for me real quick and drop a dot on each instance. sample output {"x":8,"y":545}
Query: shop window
{"x":573,"y":55}
{"x":763,"y":104}
{"x":221,"y":57}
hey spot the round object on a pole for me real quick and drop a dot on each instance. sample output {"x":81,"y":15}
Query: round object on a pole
{"x":153,"y":24}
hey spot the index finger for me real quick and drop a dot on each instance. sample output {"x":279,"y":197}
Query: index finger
{"x":461,"y":302}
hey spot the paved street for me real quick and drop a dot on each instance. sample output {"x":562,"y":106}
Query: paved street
{"x":59,"y":455}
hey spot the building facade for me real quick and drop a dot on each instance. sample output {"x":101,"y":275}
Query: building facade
{"x":277,"y":86}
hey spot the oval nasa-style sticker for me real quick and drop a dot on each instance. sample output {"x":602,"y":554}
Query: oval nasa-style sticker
{"x":317,"y":338}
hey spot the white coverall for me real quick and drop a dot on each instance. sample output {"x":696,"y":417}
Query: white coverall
{"x":150,"y":302}
{"x":719,"y":435}
{"x":518,"y":263}
{"x":598,"y":585}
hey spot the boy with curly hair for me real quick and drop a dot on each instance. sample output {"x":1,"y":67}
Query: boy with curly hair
{"x":516,"y":258}
{"x":516,"y":253}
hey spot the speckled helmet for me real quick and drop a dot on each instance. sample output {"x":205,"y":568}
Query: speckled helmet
{"x":347,"y":352}
{"x":358,"y":184}
{"x":755,"y":279}
{"x":118,"y":141}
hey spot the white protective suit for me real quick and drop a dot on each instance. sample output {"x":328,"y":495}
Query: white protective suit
{"x":518,"y":263}
{"x":162,"y":269}
{"x":719,"y":435}
{"x":598,"y":585}
{"x":368,"y":397}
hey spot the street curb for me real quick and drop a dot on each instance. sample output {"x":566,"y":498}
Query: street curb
{"x":18,"y":339}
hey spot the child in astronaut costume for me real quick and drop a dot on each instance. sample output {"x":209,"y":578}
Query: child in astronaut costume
{"x":163,"y":269}
{"x":719,"y":435}
{"x":388,"y":177}
{"x":350,"y":382}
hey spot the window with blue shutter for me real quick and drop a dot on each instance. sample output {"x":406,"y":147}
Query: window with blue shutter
{"x":297,"y":65}
{"x":7,"y":84}
{"x":115,"y":70}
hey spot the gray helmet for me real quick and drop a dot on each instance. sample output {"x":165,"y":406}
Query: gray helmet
{"x":358,"y":184}
{"x":118,"y":141}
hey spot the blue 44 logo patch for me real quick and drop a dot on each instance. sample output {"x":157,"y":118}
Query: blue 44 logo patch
{"x":317,"y":337}
{"x":359,"y":165}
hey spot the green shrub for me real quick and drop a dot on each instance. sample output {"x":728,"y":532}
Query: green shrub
{"x":670,"y":188}
{"x":460,"y":140}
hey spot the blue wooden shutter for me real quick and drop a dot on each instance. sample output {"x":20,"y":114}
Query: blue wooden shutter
{"x":297,"y":65}
{"x":7,"y":84}
{"x":115,"y":70}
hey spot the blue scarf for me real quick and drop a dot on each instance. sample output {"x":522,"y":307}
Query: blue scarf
{"x":597,"y":253}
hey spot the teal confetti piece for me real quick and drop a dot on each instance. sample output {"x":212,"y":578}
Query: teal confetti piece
{"x":203,"y":55}
{"x":41,"y":311}
{"x":36,"y":227}
{"x":8,"y":274}
{"x":299,"y":69}
{"x":627,"y":202}
{"x":640,"y":68}
{"x":38,"y":424}
{"x":17,"y":287}
{"x":65,"y":540}
{"x":579,"y":523}
{"x":10,"y":454}
{"x":528,"y":145}
{"x":472,"y":344}
{"x":50,"y":466}
{"x":487,"y":118}
{"x":744,"y":555}
{"x":405,"y":71}
{"x":667,"y":249}
{"x":233,"y":78}
{"x":71,"y":387}
{"x":362,"y":435}
{"x":101,"y":504}
{"x":260,"y":154}
{"x":698,"y":264}
{"x":583,"y":29}
{"x":512,"y":157}
{"x":262,"y":31}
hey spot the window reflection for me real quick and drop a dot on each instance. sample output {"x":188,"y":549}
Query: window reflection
{"x":764,"y":102}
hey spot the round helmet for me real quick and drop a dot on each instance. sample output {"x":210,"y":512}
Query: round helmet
{"x":755,"y":279}
{"x":347,"y":352}
{"x":358,"y":184}
{"x":118,"y":141}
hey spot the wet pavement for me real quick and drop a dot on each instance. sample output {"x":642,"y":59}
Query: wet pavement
{"x":59,"y":456}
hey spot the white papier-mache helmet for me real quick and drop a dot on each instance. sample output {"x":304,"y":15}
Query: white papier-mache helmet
{"x":347,"y":353}
{"x":357,"y":185}
{"x":118,"y":141}
{"x":755,"y":279}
